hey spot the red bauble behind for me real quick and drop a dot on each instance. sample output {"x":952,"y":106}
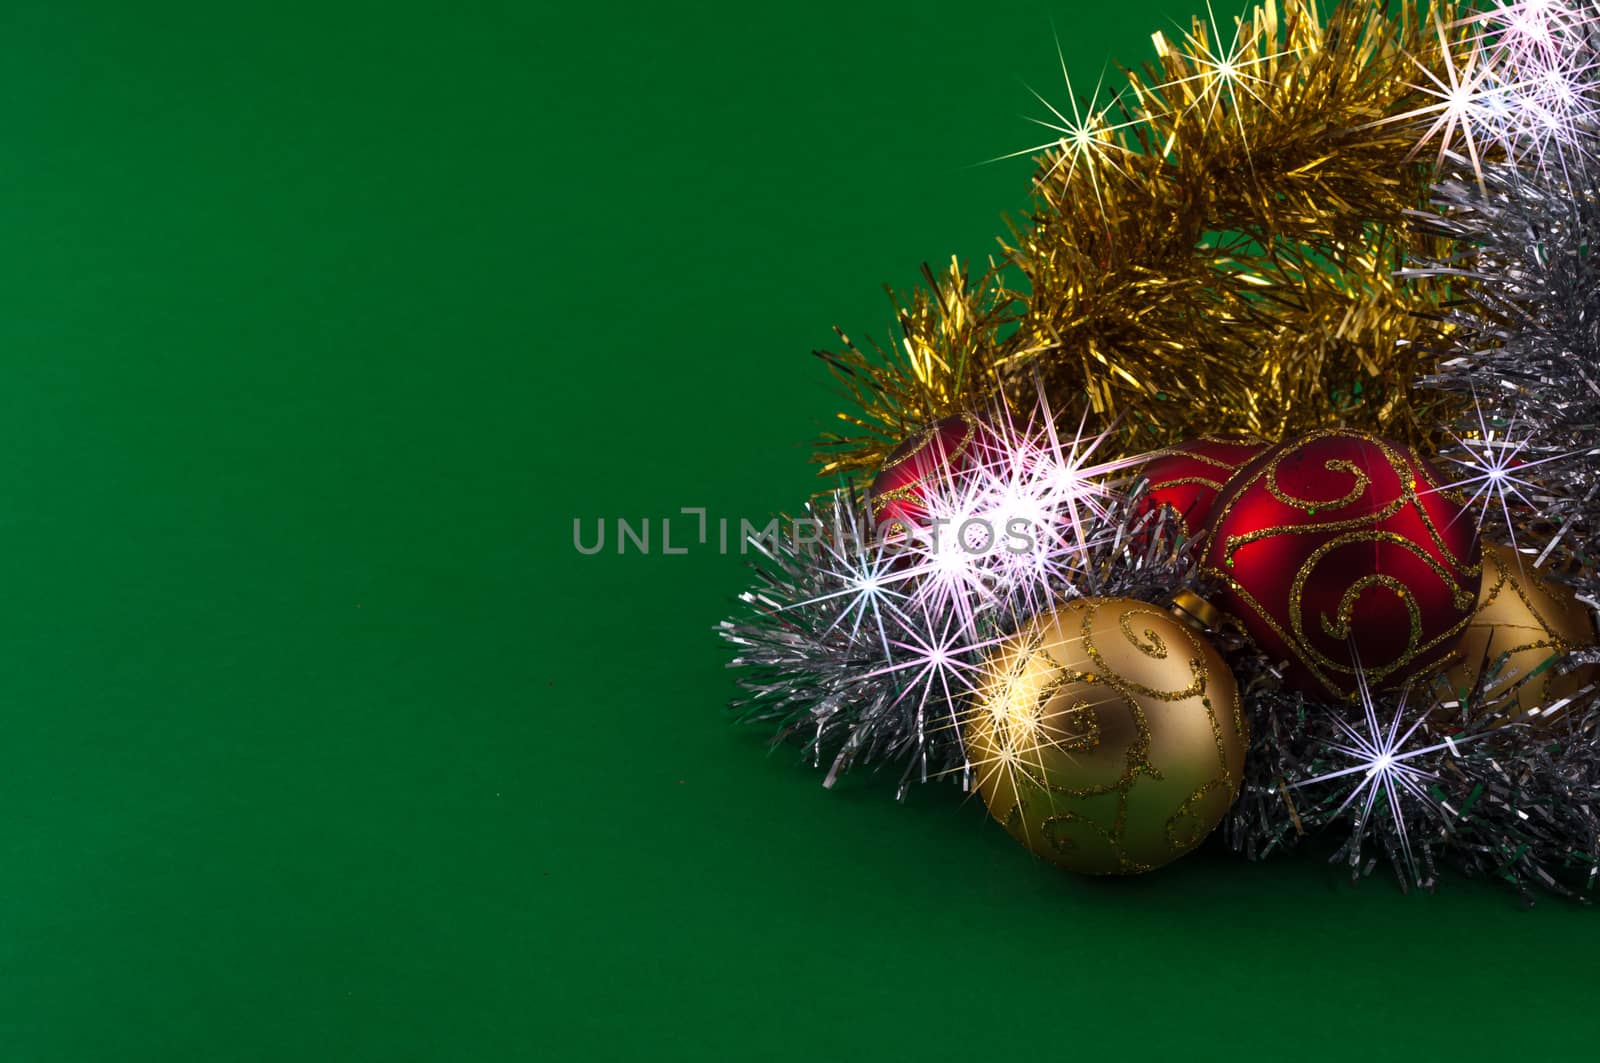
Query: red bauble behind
{"x":932,"y":457}
{"x":1340,"y":540}
{"x":1186,"y":478}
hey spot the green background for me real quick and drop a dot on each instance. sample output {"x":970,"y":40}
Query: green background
{"x":319,"y":741}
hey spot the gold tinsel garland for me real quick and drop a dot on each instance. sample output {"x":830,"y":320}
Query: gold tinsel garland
{"x":946,"y":362}
{"x":1217,"y":254}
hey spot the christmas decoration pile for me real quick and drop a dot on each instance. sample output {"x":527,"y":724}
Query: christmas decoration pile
{"x":1253,"y":490}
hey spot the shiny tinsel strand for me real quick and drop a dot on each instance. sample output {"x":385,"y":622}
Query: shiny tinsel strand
{"x":837,"y":651}
{"x":1212,"y":249}
{"x":1492,"y":797}
{"x":817,"y":651}
{"x":1528,"y":321}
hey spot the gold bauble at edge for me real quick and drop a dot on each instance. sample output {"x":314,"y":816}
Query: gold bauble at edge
{"x":1523,"y":622}
{"x":1107,"y":736}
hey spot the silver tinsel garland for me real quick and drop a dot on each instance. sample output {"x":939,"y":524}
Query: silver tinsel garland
{"x":817,"y":649}
{"x":1528,"y":357}
{"x":840,"y":649}
{"x":1422,"y":780}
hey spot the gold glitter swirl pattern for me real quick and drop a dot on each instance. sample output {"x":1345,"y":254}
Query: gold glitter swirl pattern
{"x":1108,"y":737}
{"x":1339,"y":625}
{"x":1361,"y":484}
{"x":930,"y":456}
{"x":1156,"y":647}
{"x":1189,"y":450}
{"x":1193,"y":481}
{"x":1335,"y":549}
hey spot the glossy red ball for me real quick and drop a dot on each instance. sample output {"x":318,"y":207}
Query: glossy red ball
{"x":1341,"y":546}
{"x":934,"y":456}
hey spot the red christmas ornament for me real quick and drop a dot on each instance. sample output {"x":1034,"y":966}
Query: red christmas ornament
{"x":1340,"y":540}
{"x":915,"y":468}
{"x":1186,"y":478}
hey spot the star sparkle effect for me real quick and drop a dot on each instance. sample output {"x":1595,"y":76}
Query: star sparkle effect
{"x":878,"y":634}
{"x":1086,"y":139}
{"x":863,"y":572}
{"x":935,"y":664}
{"x":872,"y":641}
{"x":1382,"y":775}
{"x":1519,"y":80}
{"x":1469,"y":100}
{"x":1496,"y":466}
{"x":1009,"y":534}
{"x":1534,"y":35}
{"x":1543,"y":56}
{"x":1007,"y":719}
{"x":1225,"y":76}
{"x":1002,"y":536}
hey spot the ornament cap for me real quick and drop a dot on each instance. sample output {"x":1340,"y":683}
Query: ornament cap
{"x":1194,"y":610}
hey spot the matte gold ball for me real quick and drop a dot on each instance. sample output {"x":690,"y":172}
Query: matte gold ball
{"x":1107,"y":736}
{"x":1525,"y":623}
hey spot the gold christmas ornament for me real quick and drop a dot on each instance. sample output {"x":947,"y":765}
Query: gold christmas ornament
{"x":1525,"y":623}
{"x":1107,"y":736}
